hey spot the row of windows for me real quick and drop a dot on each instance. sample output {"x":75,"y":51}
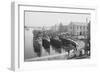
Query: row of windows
{"x":79,"y":27}
{"x":79,"y":33}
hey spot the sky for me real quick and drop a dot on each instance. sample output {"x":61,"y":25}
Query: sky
{"x":39,"y":19}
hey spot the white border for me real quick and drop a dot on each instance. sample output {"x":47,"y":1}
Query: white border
{"x":18,"y":52}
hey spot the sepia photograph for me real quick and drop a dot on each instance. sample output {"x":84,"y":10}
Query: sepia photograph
{"x":52,"y":35}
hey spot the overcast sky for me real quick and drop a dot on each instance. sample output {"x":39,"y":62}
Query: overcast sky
{"x":38,"y":19}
